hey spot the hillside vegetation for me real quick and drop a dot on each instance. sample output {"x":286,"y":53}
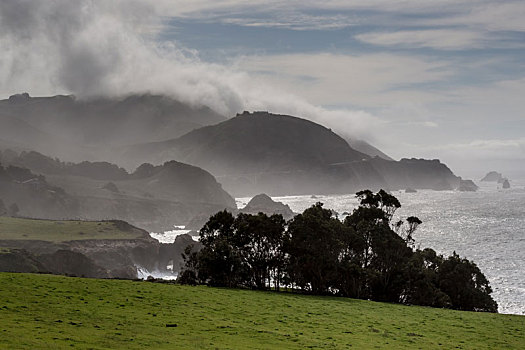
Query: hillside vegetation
{"x":65,"y":230}
{"x":44,"y":311}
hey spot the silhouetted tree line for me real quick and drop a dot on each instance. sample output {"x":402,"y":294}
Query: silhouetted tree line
{"x":366,"y":256}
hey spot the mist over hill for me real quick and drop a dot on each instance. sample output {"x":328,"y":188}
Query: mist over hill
{"x":77,"y":130}
{"x":280,"y":154}
{"x":366,"y":148}
{"x":152,"y":197}
{"x":251,"y":153}
{"x":251,"y":143}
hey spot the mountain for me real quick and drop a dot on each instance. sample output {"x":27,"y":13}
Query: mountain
{"x":262,"y":203}
{"x":93,"y":129}
{"x":249,"y":154}
{"x":366,"y":148}
{"x":281,"y":155}
{"x":152,"y":197}
{"x":253,"y":143}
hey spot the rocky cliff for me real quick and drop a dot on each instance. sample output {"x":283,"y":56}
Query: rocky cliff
{"x":97,"y":258}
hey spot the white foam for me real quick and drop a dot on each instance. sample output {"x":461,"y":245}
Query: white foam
{"x":142,"y":273}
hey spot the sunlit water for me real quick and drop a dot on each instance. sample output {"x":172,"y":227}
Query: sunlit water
{"x":142,"y":273}
{"x":487,"y":227}
{"x":170,"y":236}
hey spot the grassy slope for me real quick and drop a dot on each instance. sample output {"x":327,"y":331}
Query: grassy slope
{"x":44,"y":311}
{"x":58,"y":231}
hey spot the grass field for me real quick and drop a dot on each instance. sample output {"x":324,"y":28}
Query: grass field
{"x":59,"y":231}
{"x":54,"y":312}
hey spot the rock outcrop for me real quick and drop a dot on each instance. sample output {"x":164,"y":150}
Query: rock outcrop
{"x":263,"y":203}
{"x":467,"y":186}
{"x":20,"y":260}
{"x":94,"y":258}
{"x":493,"y":176}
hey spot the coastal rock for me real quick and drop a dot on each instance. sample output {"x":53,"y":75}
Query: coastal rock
{"x":493,"y":176}
{"x":263,"y":203}
{"x":67,"y":262}
{"x":19,"y":260}
{"x":410,"y":190}
{"x":506,"y":184}
{"x":467,"y":186}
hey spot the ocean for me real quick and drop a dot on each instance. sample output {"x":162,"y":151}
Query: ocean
{"x":486,"y":227}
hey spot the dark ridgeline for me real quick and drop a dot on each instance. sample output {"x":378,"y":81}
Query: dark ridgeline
{"x":367,"y":256}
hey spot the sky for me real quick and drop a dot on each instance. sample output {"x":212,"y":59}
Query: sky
{"x":431,"y":79}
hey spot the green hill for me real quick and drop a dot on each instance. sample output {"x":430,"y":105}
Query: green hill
{"x":44,"y":311}
{"x":66,"y":230}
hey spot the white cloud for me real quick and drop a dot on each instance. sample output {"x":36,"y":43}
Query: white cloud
{"x":294,"y":21}
{"x":92,"y":48}
{"x":480,"y":149}
{"x":200,"y":8}
{"x":444,"y":39}
{"x":372,"y":80}
{"x":491,"y":15}
{"x":99,"y":47}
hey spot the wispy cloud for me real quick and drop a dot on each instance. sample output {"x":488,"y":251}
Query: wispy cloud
{"x":444,"y":39}
{"x":364,"y":80}
{"x":484,"y":149}
{"x":294,"y":21}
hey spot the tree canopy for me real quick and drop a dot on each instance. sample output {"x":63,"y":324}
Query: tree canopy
{"x":365,"y":256}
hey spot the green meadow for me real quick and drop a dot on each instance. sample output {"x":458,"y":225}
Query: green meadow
{"x":64,"y":230}
{"x":55,"y":312}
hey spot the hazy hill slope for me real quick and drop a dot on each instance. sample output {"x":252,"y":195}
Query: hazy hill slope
{"x":284,"y":155}
{"x":366,"y":148}
{"x":153,"y":197}
{"x":81,"y":129}
{"x":252,"y":143}
{"x":416,"y":173}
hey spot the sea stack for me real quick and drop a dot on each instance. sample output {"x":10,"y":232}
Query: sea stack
{"x":493,"y":176}
{"x":467,"y":186}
